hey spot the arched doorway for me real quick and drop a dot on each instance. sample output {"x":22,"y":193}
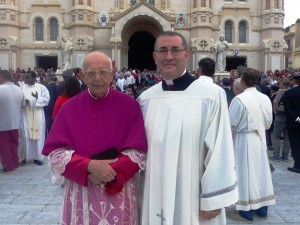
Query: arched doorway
{"x":141,"y":47}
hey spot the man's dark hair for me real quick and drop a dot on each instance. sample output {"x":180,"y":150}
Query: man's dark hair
{"x":171,"y":33}
{"x":6,"y":75}
{"x":32,"y":74}
{"x":250,"y":76}
{"x":72,"y":87}
{"x":207,"y":67}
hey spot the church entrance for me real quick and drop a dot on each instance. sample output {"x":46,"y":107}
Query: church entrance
{"x":232,"y":62}
{"x":46,"y":62}
{"x":141,"y":47}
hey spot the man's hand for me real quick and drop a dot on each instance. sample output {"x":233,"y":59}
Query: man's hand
{"x":93,"y":179}
{"x":36,"y":95}
{"x":209,"y":214}
{"x":101,"y":171}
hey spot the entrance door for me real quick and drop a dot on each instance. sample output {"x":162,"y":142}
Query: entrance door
{"x":141,"y":47}
{"x":46,"y":62}
{"x":232,"y":62}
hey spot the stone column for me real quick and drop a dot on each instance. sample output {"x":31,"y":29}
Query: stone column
{"x":267,"y":52}
{"x":14,"y":58}
{"x":118,"y":60}
{"x":194,"y":58}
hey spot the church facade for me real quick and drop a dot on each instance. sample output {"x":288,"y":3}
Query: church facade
{"x":126,"y":31}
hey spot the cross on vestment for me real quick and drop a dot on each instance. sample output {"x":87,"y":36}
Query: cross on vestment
{"x":161,"y":216}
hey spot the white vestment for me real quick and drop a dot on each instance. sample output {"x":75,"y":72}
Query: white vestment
{"x":34,"y":146}
{"x":190,"y":162}
{"x":250,"y":115}
{"x":121,"y":82}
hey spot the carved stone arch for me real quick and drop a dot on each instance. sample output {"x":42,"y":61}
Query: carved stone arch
{"x":120,"y":27}
{"x":140,"y":23}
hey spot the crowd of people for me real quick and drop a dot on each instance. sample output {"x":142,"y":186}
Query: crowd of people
{"x":170,"y":146}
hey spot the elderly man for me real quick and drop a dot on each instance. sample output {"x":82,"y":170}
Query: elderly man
{"x":190,"y":172}
{"x":97,"y":143}
{"x":250,"y":116}
{"x":11,"y":101}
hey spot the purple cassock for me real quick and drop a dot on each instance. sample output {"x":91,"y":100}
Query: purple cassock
{"x":86,"y":126}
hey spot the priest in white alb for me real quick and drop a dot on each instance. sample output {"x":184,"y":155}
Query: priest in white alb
{"x":33,"y":125}
{"x":250,"y":116}
{"x":190,"y":172}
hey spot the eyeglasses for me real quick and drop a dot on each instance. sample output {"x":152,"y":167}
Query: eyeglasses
{"x":102,"y":72}
{"x":174,"y":50}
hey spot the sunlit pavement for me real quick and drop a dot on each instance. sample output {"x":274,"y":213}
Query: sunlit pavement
{"x":27,"y":196}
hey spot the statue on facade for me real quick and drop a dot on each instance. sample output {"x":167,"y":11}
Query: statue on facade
{"x":221,"y":48}
{"x":67,"y":48}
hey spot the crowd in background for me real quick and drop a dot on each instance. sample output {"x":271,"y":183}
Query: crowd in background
{"x":63,"y":85}
{"x":135,"y":81}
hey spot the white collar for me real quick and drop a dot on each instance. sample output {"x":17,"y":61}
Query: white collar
{"x":206,"y":78}
{"x":170,"y":82}
{"x":98,"y":98}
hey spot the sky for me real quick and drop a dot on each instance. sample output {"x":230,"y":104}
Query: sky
{"x":291,"y":8}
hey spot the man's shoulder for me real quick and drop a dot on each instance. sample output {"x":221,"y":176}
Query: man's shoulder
{"x":292,"y":91}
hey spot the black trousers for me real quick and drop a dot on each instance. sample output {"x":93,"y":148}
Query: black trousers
{"x":294,"y":137}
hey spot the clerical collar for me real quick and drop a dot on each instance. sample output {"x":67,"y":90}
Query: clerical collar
{"x":178,"y":84}
{"x":95,"y":97}
{"x":170,"y":82}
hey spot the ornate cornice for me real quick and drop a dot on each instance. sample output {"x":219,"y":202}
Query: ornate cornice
{"x":150,"y":6}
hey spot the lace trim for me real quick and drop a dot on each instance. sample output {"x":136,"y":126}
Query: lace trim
{"x":57,"y":161}
{"x":137,"y":157}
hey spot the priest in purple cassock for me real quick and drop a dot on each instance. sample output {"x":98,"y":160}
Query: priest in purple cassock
{"x":98,"y":144}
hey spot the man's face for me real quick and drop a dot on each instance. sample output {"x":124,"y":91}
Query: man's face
{"x":294,"y":82}
{"x":28,"y":79}
{"x":98,"y":74}
{"x":170,"y":66}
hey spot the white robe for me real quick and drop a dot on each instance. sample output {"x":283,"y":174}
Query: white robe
{"x":190,"y":162}
{"x":33,"y":148}
{"x":254,"y":176}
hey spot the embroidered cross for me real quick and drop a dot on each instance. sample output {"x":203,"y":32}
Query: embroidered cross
{"x":161,"y":216}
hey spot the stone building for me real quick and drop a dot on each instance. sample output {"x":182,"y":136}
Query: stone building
{"x":292,"y":38}
{"x":126,"y":30}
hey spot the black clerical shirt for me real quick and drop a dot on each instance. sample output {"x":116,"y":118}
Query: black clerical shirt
{"x":179,"y":84}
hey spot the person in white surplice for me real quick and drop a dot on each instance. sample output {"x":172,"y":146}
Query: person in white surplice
{"x":33,"y":123}
{"x":250,"y":116}
{"x":190,"y":171}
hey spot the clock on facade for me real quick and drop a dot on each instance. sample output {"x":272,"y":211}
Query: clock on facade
{"x":103,"y":19}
